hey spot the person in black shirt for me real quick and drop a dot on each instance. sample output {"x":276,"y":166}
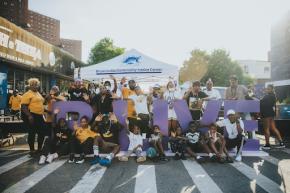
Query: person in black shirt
{"x":267,"y":109}
{"x":78,"y":93}
{"x":194,"y":98}
{"x":108,"y":127}
{"x":58,"y":144}
{"x":102,"y":102}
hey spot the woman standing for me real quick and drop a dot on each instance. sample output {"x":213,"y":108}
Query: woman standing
{"x":33,"y":109}
{"x":267,"y":108}
{"x":170,"y":95}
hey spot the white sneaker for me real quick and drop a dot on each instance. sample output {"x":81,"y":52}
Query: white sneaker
{"x":42,"y":160}
{"x":238,"y":158}
{"x":123,"y":158}
{"x":51,"y":157}
{"x":141,"y":159}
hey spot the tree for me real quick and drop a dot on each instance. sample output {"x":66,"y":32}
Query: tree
{"x":217,"y":65}
{"x":104,"y":50}
{"x":221,"y":67}
{"x":195,"y":67}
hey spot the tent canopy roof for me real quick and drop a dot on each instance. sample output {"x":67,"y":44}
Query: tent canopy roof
{"x":132,"y":64}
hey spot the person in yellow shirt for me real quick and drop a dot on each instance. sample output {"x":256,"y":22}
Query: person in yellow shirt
{"x":15,"y":103}
{"x":32,"y":110}
{"x":84,"y":139}
{"x":126,"y":92}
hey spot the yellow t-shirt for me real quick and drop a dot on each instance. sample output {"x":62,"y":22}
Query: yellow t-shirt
{"x":34,"y":100}
{"x":126,"y":92}
{"x":15,"y":102}
{"x":49,"y":116}
{"x":82,"y":134}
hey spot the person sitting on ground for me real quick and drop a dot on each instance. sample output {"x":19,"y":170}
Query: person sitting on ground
{"x":84,"y":139}
{"x":177,"y":143}
{"x":59,"y":144}
{"x":233,"y":132}
{"x":217,"y":144}
{"x":135,"y":145}
{"x":108,"y":127}
{"x":197,"y":142}
{"x":155,"y":142}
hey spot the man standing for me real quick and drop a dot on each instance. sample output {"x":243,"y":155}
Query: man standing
{"x":126,"y":93}
{"x":15,"y":103}
{"x":195,"y":98}
{"x":212,"y":93}
{"x":235,"y":91}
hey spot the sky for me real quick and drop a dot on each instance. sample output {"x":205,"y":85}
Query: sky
{"x":168,"y":30}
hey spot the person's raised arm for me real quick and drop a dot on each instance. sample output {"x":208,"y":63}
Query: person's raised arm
{"x":115,"y":84}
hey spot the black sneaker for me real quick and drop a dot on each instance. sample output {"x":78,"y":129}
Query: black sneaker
{"x":213,"y":158}
{"x":183,"y":157}
{"x":71,"y":158}
{"x":163,"y":158}
{"x":177,"y":157}
{"x":200,"y":159}
{"x":229,"y":160}
{"x":81,"y":159}
{"x":281,"y":145}
{"x":32,"y":154}
{"x":266,"y":147}
{"x":221,"y":160}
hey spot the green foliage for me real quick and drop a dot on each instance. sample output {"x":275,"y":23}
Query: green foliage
{"x":221,"y":67}
{"x":286,"y":101}
{"x":217,"y":65}
{"x":104,"y":50}
{"x":195,"y":67}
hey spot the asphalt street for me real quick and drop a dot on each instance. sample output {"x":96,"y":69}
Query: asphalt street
{"x":20,"y":173}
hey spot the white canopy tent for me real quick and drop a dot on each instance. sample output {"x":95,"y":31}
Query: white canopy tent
{"x":131,"y":64}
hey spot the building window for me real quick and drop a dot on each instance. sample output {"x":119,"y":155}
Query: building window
{"x":266,"y":69}
{"x":246,"y":69}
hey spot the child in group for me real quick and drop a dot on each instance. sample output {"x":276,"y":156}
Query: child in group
{"x":217,"y":144}
{"x":85,"y":140}
{"x":57,"y":145}
{"x":135,"y":145}
{"x":155,"y":141}
{"x":177,"y":143}
{"x":196,"y":142}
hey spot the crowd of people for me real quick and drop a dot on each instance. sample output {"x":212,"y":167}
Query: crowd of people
{"x":101,"y":133}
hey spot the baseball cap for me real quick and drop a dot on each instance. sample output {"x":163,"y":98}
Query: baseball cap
{"x":231,"y":112}
{"x":156,"y":86}
{"x":233,"y":77}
